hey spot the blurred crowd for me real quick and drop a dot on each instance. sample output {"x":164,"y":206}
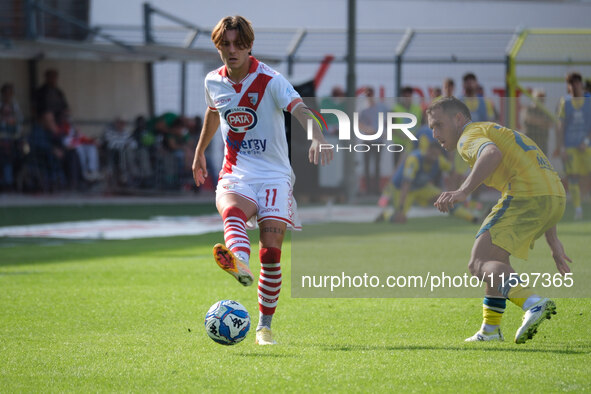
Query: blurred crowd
{"x":53,"y":154}
{"x":547,"y":127}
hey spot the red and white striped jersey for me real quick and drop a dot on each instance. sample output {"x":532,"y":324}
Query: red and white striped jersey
{"x":252,"y":121}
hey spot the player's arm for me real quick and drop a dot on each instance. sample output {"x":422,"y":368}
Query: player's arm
{"x":558,"y":253}
{"x":489,"y":159}
{"x":320,"y":150}
{"x":210,"y":126}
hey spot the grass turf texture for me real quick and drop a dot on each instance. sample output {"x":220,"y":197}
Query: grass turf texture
{"x":128,"y":316}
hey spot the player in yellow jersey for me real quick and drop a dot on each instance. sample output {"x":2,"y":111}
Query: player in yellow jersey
{"x":532,"y":203}
{"x":416,"y":180}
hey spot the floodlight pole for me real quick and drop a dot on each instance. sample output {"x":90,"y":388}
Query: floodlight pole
{"x":350,"y":177}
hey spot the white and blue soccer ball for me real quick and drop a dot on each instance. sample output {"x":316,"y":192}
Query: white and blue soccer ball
{"x":227,"y":322}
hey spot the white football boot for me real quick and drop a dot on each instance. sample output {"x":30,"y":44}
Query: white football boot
{"x":533,"y":317}
{"x":496,"y":335}
{"x":265,"y":337}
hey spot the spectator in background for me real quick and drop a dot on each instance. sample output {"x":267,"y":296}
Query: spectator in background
{"x":45,"y":141}
{"x":195,"y":128}
{"x":370,"y":123}
{"x":174,"y":153}
{"x":476,"y":104}
{"x":10,"y":132}
{"x":47,"y":154}
{"x":85,"y":162}
{"x":335,"y":101}
{"x":491,"y":110}
{"x":536,"y":121}
{"x":449,"y":87}
{"x":121,"y":150}
{"x":435,"y":93}
{"x":49,"y":97}
{"x":573,"y":138}
{"x":405,"y":104}
{"x":145,"y":140}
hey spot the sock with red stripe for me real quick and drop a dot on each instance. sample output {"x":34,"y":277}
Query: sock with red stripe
{"x":269,"y":285}
{"x":235,"y":235}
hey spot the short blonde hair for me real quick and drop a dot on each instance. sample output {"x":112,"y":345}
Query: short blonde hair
{"x":238,"y":23}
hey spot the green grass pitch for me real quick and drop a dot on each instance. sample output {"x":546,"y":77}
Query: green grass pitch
{"x":121,"y":316}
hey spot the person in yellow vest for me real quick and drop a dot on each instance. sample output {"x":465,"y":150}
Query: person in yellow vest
{"x":573,"y":137}
{"x":405,"y":104}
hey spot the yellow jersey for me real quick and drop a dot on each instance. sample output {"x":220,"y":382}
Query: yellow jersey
{"x":524,"y":170}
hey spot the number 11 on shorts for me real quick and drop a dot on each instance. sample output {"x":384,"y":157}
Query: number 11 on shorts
{"x":269,"y":191}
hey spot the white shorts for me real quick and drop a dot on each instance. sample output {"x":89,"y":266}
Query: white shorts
{"x":273,"y":198}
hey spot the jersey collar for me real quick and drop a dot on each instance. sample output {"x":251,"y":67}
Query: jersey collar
{"x":466,"y":125}
{"x":254,"y":64}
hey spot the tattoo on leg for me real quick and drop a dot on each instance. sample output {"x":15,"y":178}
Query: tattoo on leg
{"x":275,"y":230}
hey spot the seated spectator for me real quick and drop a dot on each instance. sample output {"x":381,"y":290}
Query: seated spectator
{"x":10,"y":133}
{"x":174,"y":154}
{"x":121,"y":150}
{"x":146,"y":150}
{"x":193,"y":136}
{"x":87,"y":157}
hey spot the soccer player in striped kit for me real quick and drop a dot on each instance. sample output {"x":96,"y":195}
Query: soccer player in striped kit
{"x":246,"y":99}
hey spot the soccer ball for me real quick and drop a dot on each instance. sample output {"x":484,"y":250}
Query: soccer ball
{"x":227,"y":322}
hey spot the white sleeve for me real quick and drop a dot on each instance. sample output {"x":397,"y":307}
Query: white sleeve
{"x":208,"y":99}
{"x":284,"y":94}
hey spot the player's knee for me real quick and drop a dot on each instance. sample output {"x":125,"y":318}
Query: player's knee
{"x":474,"y":266}
{"x":233,"y":211}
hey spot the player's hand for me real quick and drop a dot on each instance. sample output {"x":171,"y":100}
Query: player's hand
{"x":320,"y":151}
{"x":199,"y":169}
{"x":446,"y":200}
{"x":560,"y":257}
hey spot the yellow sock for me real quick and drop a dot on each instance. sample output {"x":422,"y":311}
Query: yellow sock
{"x":575,"y":191}
{"x":518,"y":294}
{"x":491,"y":317}
{"x":492,"y":312}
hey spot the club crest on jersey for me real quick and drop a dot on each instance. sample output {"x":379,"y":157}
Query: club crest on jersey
{"x":253,"y":98}
{"x":241,"y":119}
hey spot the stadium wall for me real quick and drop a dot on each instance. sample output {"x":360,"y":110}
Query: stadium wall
{"x":97,"y":92}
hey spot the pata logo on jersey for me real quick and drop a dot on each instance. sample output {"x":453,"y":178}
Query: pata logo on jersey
{"x":241,"y":119}
{"x":388,"y":123}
